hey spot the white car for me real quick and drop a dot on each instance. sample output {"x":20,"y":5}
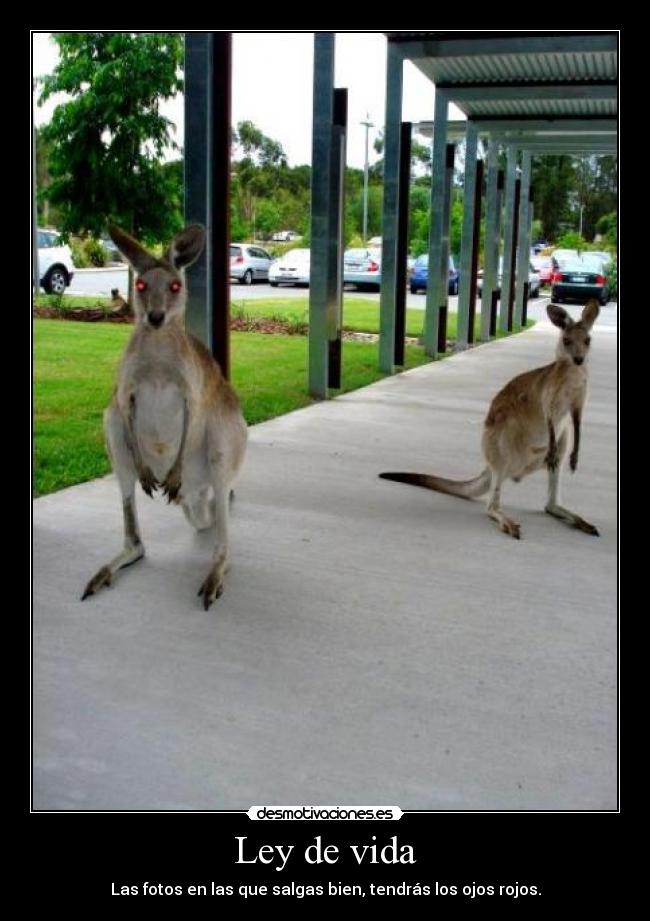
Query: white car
{"x":290,"y":269}
{"x":55,"y":265}
{"x":285,"y":236}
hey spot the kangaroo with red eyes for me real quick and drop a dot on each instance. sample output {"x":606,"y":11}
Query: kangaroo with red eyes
{"x":174,"y":422}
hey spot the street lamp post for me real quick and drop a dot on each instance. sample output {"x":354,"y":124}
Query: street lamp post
{"x":368,"y":124}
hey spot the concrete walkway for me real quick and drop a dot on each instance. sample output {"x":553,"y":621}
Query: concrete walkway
{"x":376,"y":643}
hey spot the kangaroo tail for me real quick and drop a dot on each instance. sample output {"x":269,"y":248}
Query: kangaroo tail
{"x":465,"y":489}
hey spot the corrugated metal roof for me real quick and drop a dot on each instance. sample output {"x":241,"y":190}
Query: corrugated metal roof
{"x":505,"y":61}
{"x":525,"y":68}
{"x":539,"y":108}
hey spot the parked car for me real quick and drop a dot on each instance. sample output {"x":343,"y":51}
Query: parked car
{"x":559,"y":256}
{"x":543,"y":265}
{"x":534,"y":281}
{"x":580,"y":278}
{"x":114,"y":254}
{"x":285,"y":236}
{"x":420,"y":275}
{"x":362,"y":267}
{"x":249,"y":263}
{"x":55,"y":264}
{"x":292,"y":268}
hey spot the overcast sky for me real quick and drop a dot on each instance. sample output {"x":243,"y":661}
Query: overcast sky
{"x":272,"y":87}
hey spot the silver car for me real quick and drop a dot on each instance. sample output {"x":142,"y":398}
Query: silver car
{"x":534,"y":280}
{"x":249,"y":263}
{"x":362,"y":267}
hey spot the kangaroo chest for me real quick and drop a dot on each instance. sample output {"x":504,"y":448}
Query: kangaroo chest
{"x":159,"y":422}
{"x":569,"y":392}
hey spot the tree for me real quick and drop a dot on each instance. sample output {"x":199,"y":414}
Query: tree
{"x":553,"y":180}
{"x":258,"y":172}
{"x":108,"y":138}
{"x":46,"y":214}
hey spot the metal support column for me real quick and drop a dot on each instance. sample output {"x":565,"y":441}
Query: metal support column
{"x":197,"y":158}
{"x":337,"y":198}
{"x":319,"y":287}
{"x":438,"y":273}
{"x":36,"y":279}
{"x":494,"y":305}
{"x":444,"y":255}
{"x":220,"y":198}
{"x":513,"y":262}
{"x":467,"y":286}
{"x":492,"y":229}
{"x":523,"y":244}
{"x":402,"y":240}
{"x":531,"y":209}
{"x":511,"y":178}
{"x":476,"y":245}
{"x":389,"y":273}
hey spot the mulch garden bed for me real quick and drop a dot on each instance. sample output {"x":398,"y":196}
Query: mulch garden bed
{"x":245,"y":324}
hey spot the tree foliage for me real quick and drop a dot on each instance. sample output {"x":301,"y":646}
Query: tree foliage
{"x":108,"y":138}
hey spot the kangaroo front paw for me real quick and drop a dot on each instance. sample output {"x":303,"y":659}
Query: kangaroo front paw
{"x":101,"y":578}
{"x":212,"y":588}
{"x":172,"y":485}
{"x":551,"y":460}
{"x":573,"y":461}
{"x":148,"y":482}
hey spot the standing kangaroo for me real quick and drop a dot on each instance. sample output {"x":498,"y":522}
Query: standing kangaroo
{"x":526,"y":427}
{"x":174,"y":421}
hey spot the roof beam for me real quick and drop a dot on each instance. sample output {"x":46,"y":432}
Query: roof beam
{"x":500,"y":44}
{"x":567,"y":125}
{"x":538,"y":128}
{"x":584,"y":150}
{"x":498,"y":92}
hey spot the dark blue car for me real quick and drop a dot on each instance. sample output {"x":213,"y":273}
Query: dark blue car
{"x":420,"y":275}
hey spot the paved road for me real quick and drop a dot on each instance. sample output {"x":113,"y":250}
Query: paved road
{"x":100,"y":282}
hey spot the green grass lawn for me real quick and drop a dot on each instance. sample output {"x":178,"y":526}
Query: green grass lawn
{"x":74,"y":372}
{"x":360,"y":314}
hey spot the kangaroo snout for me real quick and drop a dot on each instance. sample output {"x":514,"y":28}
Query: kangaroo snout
{"x":578,"y":360}
{"x":156,"y":318}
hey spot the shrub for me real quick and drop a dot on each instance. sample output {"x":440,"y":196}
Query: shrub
{"x":88,"y":253}
{"x":79,"y":256}
{"x":96,"y":253}
{"x":613,"y":279}
{"x":571,"y":239}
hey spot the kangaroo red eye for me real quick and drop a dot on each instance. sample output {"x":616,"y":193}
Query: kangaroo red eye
{"x":175,"y":286}
{"x":141,"y":285}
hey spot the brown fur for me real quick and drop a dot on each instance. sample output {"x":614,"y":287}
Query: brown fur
{"x":174,"y":422}
{"x":525,"y":427}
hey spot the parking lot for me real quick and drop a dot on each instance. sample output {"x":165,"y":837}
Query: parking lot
{"x":101,"y":281}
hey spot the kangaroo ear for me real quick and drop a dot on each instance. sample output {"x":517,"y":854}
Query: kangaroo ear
{"x":132,"y":251}
{"x":558,"y":316}
{"x":186,"y":246}
{"x":591,"y":311}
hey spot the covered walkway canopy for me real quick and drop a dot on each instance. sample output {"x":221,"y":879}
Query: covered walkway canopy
{"x":528,"y":93}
